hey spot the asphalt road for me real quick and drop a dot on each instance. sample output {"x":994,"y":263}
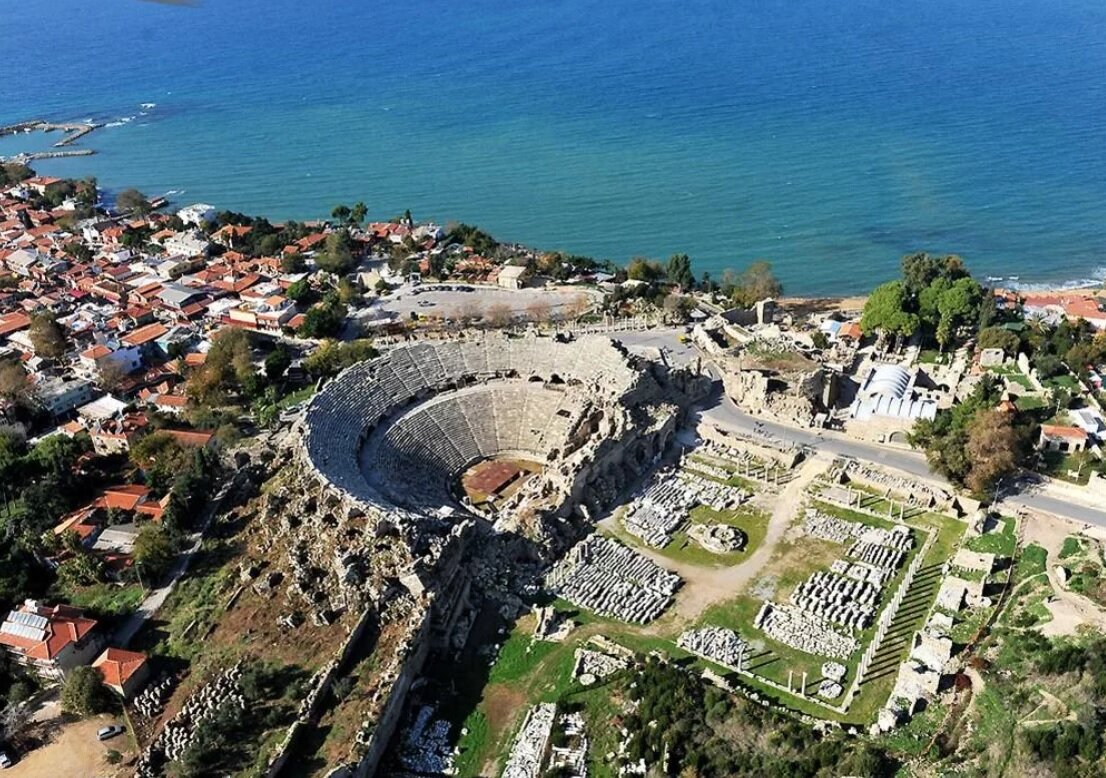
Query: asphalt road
{"x":1039,"y":497}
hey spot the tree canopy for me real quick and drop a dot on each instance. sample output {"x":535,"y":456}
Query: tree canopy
{"x":755,"y":283}
{"x":971,"y":443}
{"x":679,"y":271}
{"x":642,"y":269}
{"x":337,"y":255}
{"x":228,"y":369}
{"x":84,"y":692}
{"x":47,"y":336}
{"x":935,"y":298}
{"x":132,"y":201}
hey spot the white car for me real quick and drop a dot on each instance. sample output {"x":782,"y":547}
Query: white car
{"x":5,"y":761}
{"x":107,"y":733}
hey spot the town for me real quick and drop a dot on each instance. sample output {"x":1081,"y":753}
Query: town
{"x":355,"y":497}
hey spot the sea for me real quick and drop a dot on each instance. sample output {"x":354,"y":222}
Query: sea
{"x":829,"y":137}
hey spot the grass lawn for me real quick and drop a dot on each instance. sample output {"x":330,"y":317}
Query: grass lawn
{"x":1031,"y":562}
{"x":524,"y":673}
{"x":298,"y":396}
{"x":1065,"y":381}
{"x":1000,"y":541}
{"x":1015,"y":376}
{"x":1071,"y":547}
{"x":104,"y":599}
{"x":753,"y":522}
{"x":1029,"y":402}
{"x":682,"y":548}
{"x":931,"y":356}
{"x":1060,"y":466}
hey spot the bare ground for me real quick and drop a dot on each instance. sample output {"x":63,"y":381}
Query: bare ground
{"x":74,"y":752}
{"x":1070,"y":610}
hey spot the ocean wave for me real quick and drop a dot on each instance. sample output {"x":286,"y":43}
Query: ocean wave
{"x":1096,"y":278}
{"x":147,"y":106}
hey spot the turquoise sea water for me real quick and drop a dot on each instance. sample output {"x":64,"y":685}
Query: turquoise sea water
{"x":829,"y":138}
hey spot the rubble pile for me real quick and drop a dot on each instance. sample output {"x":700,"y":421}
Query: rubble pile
{"x":178,"y":734}
{"x":528,"y":751}
{"x":718,"y":538}
{"x":718,"y":644}
{"x":606,"y":577}
{"x":804,"y":631}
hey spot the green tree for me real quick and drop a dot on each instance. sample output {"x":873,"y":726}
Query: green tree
{"x":473,"y":237}
{"x":341,"y":213}
{"x":959,"y":305}
{"x":679,"y":271}
{"x":78,"y":250}
{"x":757,"y":282}
{"x":83,"y":693}
{"x":227,"y":369}
{"x":324,"y":320}
{"x":885,"y":312}
{"x":277,"y":363}
{"x":132,"y":201}
{"x":642,"y":269}
{"x":153,"y":552}
{"x":81,"y":569}
{"x":358,"y":213}
{"x":14,"y":386}
{"x":300,"y":291}
{"x":999,"y":337}
{"x":337,"y":256}
{"x":160,"y":455}
{"x":47,"y":336}
{"x":291,"y":264}
{"x":333,"y":356}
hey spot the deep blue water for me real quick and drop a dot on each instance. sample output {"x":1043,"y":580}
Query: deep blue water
{"x":827,"y":137}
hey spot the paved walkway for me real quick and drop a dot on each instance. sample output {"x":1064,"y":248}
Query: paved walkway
{"x":157,"y":597}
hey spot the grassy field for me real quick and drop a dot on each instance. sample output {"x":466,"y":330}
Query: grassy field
{"x":104,"y":599}
{"x":1000,"y":541}
{"x":682,"y":548}
{"x":1072,"y":547}
{"x":794,"y":562}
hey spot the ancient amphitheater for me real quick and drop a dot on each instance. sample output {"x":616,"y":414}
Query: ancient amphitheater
{"x":366,"y":520}
{"x":395,"y":433}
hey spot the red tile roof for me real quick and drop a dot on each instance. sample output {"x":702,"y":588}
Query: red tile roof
{"x":118,"y":666}
{"x":147,"y":334}
{"x":64,"y":625}
{"x":191,"y":437}
{"x":1057,"y":431}
{"x":13,"y":322}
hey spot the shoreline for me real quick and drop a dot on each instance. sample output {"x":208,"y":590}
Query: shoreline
{"x":855,"y":303}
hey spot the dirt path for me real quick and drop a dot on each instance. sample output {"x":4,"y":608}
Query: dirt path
{"x":705,"y":586}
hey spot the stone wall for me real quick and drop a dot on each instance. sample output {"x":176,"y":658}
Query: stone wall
{"x":786,"y":457}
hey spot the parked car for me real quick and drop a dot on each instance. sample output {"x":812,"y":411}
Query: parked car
{"x":107,"y":733}
{"x":5,"y":761}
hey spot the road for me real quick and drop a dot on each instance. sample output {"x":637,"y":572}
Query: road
{"x":1044,"y":497}
{"x":155,"y":598}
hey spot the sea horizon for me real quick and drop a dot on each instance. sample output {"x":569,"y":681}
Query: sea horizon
{"x":828,"y":141}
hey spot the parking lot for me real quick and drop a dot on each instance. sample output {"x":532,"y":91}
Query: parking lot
{"x":460,"y":301}
{"x":73,"y":751}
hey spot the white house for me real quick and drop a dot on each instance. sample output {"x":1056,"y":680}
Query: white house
{"x":197,"y":214}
